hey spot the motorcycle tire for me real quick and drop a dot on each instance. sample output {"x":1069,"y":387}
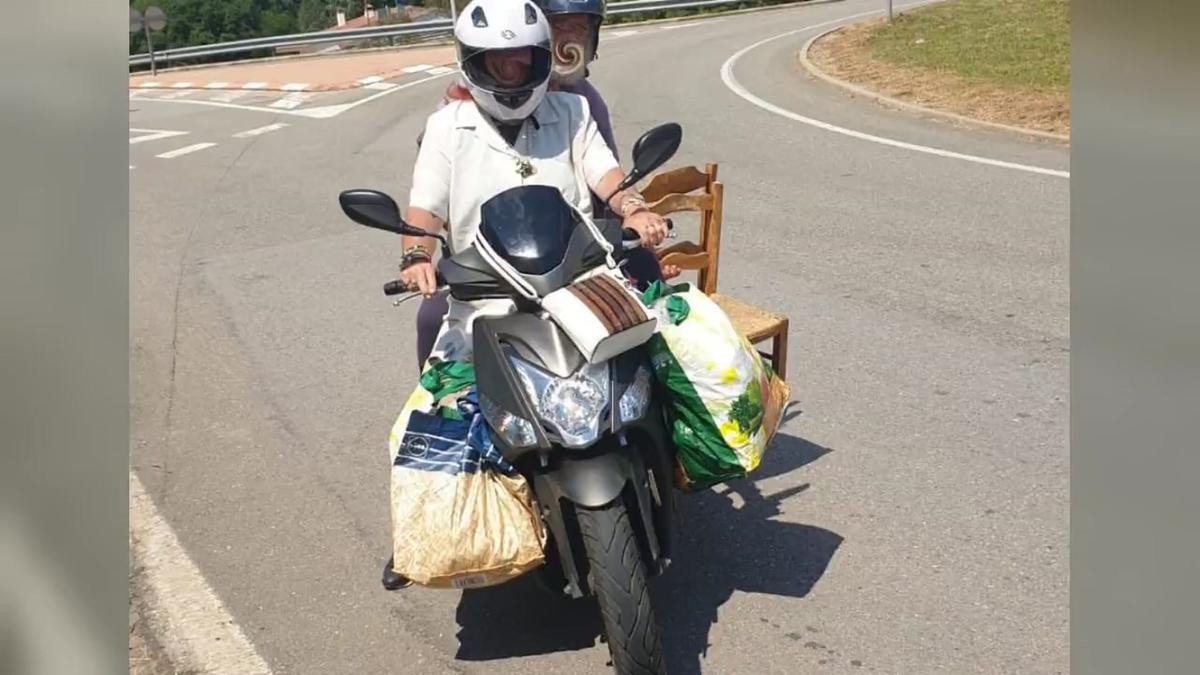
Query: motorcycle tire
{"x":618,"y":580}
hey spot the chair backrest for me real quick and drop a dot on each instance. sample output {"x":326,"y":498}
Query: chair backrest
{"x":675,"y":191}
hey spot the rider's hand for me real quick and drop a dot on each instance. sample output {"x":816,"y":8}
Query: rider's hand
{"x":420,"y":277}
{"x":670,"y":272}
{"x":649,"y":225}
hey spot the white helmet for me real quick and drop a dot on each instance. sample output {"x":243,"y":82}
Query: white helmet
{"x":487,"y":25}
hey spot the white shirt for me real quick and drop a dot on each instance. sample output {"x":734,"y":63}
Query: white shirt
{"x":463,"y":160}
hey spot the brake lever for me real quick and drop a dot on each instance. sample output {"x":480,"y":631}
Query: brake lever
{"x":415,"y":294}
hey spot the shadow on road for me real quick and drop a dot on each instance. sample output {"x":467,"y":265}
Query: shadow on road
{"x":720,"y":549}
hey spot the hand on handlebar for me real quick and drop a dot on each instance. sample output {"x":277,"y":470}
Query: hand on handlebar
{"x":651,"y":227}
{"x":421,"y":277}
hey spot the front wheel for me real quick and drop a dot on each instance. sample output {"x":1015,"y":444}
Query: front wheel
{"x":618,"y":579}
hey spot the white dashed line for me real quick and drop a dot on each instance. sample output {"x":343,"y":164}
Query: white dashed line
{"x":621,"y":33}
{"x":370,"y":80}
{"x":260,"y":130}
{"x":419,"y":68}
{"x":149,"y":85}
{"x":440,"y":70}
{"x":186,"y":150}
{"x":380,"y":86}
{"x":295,"y":86}
{"x":181,"y":85}
{"x":181,"y":93}
{"x":254,"y":85}
{"x":199,"y":634}
{"x":152,"y":135}
{"x":216,"y":85}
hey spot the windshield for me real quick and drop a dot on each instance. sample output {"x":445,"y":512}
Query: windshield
{"x":529,"y":226}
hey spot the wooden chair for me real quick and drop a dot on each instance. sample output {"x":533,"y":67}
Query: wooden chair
{"x":689,"y":189}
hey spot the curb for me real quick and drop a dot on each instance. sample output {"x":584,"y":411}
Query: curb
{"x":294,"y":88}
{"x":728,"y":12}
{"x":444,"y":43}
{"x":294,"y":57}
{"x":911,"y":107}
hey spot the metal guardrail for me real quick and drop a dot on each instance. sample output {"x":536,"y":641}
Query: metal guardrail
{"x":427,"y":29}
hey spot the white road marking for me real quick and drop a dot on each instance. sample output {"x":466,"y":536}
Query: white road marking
{"x":254,"y":85}
{"x":130,"y":166}
{"x":328,"y":111}
{"x":291,"y":101}
{"x":260,"y":130}
{"x":181,"y":85}
{"x":295,"y":86}
{"x":185,"y":150}
{"x":380,"y":86}
{"x":419,"y":68}
{"x":181,"y":93}
{"x":677,"y":26}
{"x":152,"y":135}
{"x":194,"y":627}
{"x":441,"y":70}
{"x":229,"y":96}
{"x":216,"y":85}
{"x":148,"y":85}
{"x":370,"y":80}
{"x":731,"y":82}
{"x":321,"y":112}
{"x":622,"y":33}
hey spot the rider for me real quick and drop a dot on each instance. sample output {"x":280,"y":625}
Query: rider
{"x":510,"y":132}
{"x":575,"y":35}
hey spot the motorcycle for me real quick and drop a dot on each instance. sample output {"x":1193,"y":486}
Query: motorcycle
{"x":586,"y":431}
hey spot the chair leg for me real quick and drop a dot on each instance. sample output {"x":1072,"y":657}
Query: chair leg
{"x":779,"y":346}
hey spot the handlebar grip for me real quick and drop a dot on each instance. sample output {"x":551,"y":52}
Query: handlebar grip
{"x":395,"y":287}
{"x":630,"y":238}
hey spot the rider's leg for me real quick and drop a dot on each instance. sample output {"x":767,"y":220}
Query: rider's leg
{"x":429,"y":322}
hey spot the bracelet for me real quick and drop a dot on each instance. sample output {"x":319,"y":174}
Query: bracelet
{"x":417,"y":248}
{"x":632,"y":203}
{"x":412,"y":257}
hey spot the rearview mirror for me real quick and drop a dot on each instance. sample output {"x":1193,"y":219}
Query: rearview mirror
{"x":653,"y":150}
{"x":373,"y":209}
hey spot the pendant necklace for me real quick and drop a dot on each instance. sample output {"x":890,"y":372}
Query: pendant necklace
{"x":525,"y":168}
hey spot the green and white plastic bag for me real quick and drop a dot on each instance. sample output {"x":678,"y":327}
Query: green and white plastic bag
{"x":725,"y":402}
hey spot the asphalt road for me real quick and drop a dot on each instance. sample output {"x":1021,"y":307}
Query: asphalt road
{"x":912,"y":519}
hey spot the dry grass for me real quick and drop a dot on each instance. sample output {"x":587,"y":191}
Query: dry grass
{"x":995,"y":60}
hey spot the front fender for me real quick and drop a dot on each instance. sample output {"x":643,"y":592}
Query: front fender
{"x":592,"y":482}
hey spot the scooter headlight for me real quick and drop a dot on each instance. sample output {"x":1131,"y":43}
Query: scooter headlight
{"x":516,"y":431}
{"x":572,"y":405}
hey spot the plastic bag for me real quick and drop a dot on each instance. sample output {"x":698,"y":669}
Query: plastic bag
{"x":725,"y":402}
{"x":462,"y":516}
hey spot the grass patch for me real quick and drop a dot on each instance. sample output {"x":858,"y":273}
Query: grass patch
{"x":1021,"y":44}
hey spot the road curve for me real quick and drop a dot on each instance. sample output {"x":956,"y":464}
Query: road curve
{"x":912,"y":519}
